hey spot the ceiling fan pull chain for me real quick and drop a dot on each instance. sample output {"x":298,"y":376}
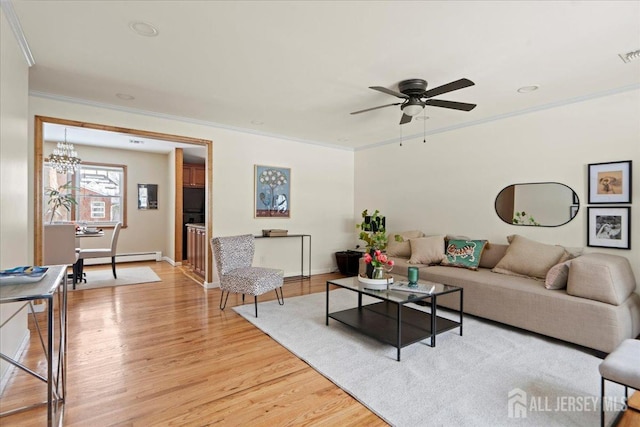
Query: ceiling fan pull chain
{"x":400,"y":136}
{"x":424,"y":129}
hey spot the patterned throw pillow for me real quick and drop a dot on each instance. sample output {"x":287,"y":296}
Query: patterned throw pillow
{"x":464,"y":253}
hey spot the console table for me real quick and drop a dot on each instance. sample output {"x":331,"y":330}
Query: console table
{"x":302,"y":238}
{"x":50,"y":284}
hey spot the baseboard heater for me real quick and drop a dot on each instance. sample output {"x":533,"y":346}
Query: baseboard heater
{"x":131,"y":257}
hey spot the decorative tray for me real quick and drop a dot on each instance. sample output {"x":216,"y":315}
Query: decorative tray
{"x":376,"y":284}
{"x":20,"y":275}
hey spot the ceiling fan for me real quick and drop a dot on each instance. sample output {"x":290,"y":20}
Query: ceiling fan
{"x":416,"y":97}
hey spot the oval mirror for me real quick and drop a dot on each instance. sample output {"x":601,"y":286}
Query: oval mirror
{"x":544,"y":204}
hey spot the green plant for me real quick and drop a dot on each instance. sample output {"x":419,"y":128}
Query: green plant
{"x":523,"y":218}
{"x":60,"y":197}
{"x":372,"y":230}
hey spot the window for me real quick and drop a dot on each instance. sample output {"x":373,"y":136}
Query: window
{"x":97,"y":209}
{"x":99,"y":190}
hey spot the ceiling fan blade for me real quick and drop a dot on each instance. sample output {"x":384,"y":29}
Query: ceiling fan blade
{"x":449,"y":87}
{"x":450,"y":104}
{"x":389,"y":91}
{"x":375,"y":108}
{"x":405,"y":119}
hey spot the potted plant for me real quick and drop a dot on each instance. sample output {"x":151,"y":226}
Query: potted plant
{"x":372,"y":230}
{"x":60,"y":197}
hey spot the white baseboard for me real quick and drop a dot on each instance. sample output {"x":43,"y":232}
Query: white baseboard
{"x":10,"y":368}
{"x":131,"y":257}
{"x":171,"y":261}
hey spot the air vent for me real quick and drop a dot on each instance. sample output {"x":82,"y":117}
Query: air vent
{"x":629,"y":56}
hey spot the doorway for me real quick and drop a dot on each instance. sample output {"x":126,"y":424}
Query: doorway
{"x":41,"y":122}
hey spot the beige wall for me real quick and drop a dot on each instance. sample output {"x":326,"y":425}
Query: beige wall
{"x":14,"y":175}
{"x":321,"y":180}
{"x":449,"y":184}
{"x":147,"y":230}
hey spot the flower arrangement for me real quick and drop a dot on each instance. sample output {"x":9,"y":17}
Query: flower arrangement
{"x":378,"y":259}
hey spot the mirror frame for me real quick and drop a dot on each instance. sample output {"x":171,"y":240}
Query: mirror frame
{"x":576,"y":201}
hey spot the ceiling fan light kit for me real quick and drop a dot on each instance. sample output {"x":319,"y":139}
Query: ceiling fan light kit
{"x":416,"y":97}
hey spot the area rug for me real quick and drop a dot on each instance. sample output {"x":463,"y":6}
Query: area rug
{"x":493,"y":375}
{"x":126,"y":276}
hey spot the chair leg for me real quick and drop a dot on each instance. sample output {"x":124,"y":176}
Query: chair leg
{"x":223,"y":304}
{"x":255,"y":302}
{"x":75,"y":274}
{"x":280,"y":296}
{"x":113,"y":266}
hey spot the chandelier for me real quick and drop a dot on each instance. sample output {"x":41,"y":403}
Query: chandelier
{"x":64,"y":158}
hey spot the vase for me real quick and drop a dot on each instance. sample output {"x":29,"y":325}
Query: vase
{"x":378,"y":273}
{"x":369,"y":267}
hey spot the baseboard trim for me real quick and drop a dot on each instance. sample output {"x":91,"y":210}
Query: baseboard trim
{"x":129,"y":257}
{"x":4,"y":380}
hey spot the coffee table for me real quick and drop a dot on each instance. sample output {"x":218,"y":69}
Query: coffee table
{"x":390,"y":320}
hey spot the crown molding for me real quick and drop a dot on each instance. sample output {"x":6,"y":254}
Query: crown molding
{"x":129,"y":110}
{"x":14,"y":23}
{"x":537,"y":108}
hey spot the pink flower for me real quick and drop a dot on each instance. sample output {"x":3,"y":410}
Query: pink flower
{"x":391,"y":263}
{"x":378,"y":252}
{"x":367,"y":258}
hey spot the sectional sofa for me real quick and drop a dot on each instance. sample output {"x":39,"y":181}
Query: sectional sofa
{"x":585,"y":299}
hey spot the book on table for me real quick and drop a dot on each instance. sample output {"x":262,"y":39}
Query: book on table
{"x":418,"y":288}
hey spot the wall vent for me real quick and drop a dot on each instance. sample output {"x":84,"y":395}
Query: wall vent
{"x":629,"y":56}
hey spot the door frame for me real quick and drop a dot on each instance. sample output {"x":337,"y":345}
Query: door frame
{"x":39,"y":123}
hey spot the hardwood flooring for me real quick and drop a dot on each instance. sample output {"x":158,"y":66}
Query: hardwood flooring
{"x":164,"y":354}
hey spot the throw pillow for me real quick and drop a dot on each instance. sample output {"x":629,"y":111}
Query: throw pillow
{"x":527,"y":257}
{"x":557,"y":276}
{"x":427,"y":250}
{"x":464,"y":253}
{"x":402,"y":248}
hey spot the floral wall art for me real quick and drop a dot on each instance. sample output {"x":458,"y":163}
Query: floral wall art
{"x":272,"y":196}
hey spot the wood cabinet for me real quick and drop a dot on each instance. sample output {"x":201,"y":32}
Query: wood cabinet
{"x":196,"y":248}
{"x":193,"y":175}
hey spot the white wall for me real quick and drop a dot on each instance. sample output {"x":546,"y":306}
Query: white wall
{"x":449,"y":184}
{"x":322,"y":181}
{"x":14,"y":174}
{"x":146,"y":229}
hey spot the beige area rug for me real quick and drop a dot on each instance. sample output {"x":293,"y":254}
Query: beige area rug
{"x":492,"y":376}
{"x":126,"y":276}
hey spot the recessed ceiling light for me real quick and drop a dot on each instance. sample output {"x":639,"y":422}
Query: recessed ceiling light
{"x":125,"y":96}
{"x":422,"y":118}
{"x":143,"y":28}
{"x":527,"y":89}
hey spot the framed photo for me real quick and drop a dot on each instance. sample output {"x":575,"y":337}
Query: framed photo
{"x":573,"y":211}
{"x":147,"y":196}
{"x":609,"y":227}
{"x":610,"y":182}
{"x":272,"y":195}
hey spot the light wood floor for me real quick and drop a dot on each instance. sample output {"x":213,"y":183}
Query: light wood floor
{"x":164,"y":354}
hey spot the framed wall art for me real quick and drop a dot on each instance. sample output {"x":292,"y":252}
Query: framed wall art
{"x":609,"y":227}
{"x":610,"y":182}
{"x":272,"y":194}
{"x":147,"y":196}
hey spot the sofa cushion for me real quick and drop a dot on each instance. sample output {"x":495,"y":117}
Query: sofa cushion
{"x":464,"y":253}
{"x":529,"y":258}
{"x":492,"y":254}
{"x":427,"y":250}
{"x":601,"y":277}
{"x":403,"y":248}
{"x":557,"y":276}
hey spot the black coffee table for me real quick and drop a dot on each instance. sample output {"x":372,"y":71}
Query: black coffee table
{"x":390,"y":320}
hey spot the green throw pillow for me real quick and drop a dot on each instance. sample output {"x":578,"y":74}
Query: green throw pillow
{"x":464,"y":253}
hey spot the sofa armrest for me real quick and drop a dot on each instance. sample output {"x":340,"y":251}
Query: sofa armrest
{"x":601,"y":277}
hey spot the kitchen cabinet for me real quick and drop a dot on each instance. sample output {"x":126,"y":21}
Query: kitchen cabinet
{"x":196,"y":248}
{"x":193,"y":175}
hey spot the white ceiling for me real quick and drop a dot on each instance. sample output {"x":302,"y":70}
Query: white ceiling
{"x":297,"y":69}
